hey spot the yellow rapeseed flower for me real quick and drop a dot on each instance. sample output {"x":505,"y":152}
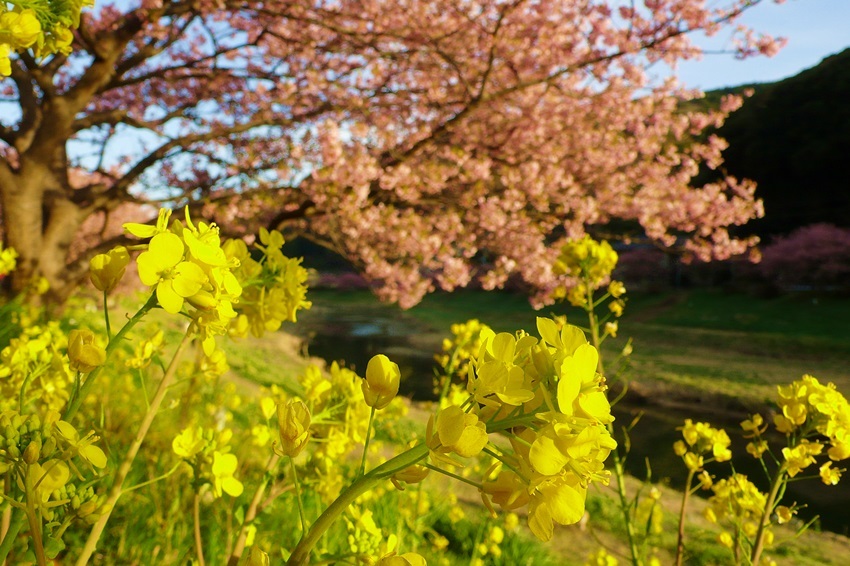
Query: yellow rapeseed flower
{"x":830,"y":475}
{"x":189,"y":442}
{"x":223,"y":468}
{"x":162,"y":265}
{"x":106,"y":270}
{"x":457,"y":432}
{"x":83,"y":446}
{"x":381,"y":383}
{"x":22,"y":29}
{"x":293,"y":420}
{"x":83,"y":353}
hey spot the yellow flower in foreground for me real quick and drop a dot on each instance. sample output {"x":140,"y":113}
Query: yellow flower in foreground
{"x":106,"y":270}
{"x":558,"y":501}
{"x":148,"y":231}
{"x":5,"y":62}
{"x":189,"y":442}
{"x":293,"y":420}
{"x":801,"y":456}
{"x":828,"y":475}
{"x":83,"y":446}
{"x":458,"y":432}
{"x":83,"y":353}
{"x":617,"y":289}
{"x":783,"y":514}
{"x":162,"y":266}
{"x":381,"y":383}
{"x":21,"y":27}
{"x":49,"y":477}
{"x":224,"y":465}
{"x":406,"y":559}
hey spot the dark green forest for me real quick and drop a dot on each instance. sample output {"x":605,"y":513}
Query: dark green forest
{"x":793,"y":138}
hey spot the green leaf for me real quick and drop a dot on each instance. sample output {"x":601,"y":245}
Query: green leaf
{"x":53,"y":546}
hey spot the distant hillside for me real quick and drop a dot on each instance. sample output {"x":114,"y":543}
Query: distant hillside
{"x":793,"y":138}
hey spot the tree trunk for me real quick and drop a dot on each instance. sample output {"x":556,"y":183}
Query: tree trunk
{"x":40,"y":225}
{"x":22,"y":222}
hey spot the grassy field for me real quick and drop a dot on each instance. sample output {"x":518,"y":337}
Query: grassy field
{"x":687,"y":345}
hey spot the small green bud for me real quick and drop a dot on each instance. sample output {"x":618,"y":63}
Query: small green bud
{"x":32,"y":451}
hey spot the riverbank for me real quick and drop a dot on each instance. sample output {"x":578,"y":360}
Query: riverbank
{"x":276,"y":358}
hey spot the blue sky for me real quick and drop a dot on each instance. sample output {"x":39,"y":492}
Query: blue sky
{"x":815,"y":29}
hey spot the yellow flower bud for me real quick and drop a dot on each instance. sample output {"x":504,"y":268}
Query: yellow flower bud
{"x":381,"y":383}
{"x":255,"y":557}
{"x":83,"y":353}
{"x":32,"y":451}
{"x":616,"y":288}
{"x":293,"y":420}
{"x":106,"y":270}
{"x":783,"y":514}
{"x":412,"y":474}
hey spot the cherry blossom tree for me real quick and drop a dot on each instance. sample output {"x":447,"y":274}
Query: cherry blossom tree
{"x":423,"y":140}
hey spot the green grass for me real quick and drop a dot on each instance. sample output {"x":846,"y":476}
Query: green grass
{"x":733,"y":345}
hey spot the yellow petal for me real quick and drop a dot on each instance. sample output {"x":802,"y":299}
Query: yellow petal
{"x":188,"y":278}
{"x":545,"y":456}
{"x":596,"y":405}
{"x":94,"y":455}
{"x":232,"y":486}
{"x":168,"y":299}
{"x":565,"y":502}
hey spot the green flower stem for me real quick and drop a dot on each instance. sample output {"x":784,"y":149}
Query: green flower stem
{"x":501,"y":459}
{"x":479,"y":536}
{"x":455,"y":476}
{"x":680,"y":544}
{"x":196,"y":519}
{"x":366,"y":443}
{"x":758,"y":545}
{"x":619,"y":471}
{"x":298,"y":495}
{"x":16,"y":521}
{"x":34,"y":519}
{"x":251,"y":512}
{"x":301,"y":553}
{"x":74,"y":405}
{"x":126,"y":464}
{"x":106,"y":317}
{"x":511,"y":422}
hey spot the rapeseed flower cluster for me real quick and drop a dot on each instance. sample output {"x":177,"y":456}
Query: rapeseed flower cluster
{"x":701,"y":440}
{"x":590,"y":263}
{"x":810,"y":408}
{"x":219,"y":285}
{"x":207,"y":451}
{"x":8,"y":256}
{"x":44,"y":27}
{"x":546,"y":396}
{"x":331,"y":411}
{"x":45,"y":457}
{"x":738,"y":501}
{"x":274,"y":286}
{"x":464,"y":345}
{"x":34,"y":371}
{"x":369,"y":544}
{"x":816,"y":419}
